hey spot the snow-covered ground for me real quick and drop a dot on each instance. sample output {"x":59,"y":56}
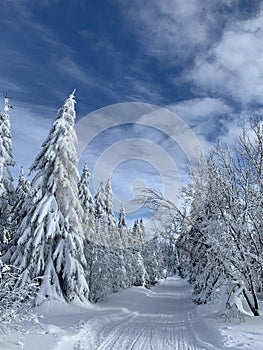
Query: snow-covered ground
{"x":140,"y":319}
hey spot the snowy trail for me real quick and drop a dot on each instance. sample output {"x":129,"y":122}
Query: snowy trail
{"x":162,"y":319}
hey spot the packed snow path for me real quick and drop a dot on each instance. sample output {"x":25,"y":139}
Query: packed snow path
{"x":162,"y":319}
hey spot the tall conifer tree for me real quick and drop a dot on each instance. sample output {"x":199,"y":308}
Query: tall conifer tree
{"x":7,"y":194}
{"x":50,"y":244}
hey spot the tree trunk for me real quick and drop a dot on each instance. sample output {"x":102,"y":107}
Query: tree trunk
{"x":253,"y":308}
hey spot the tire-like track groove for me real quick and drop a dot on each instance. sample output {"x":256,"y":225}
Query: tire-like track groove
{"x":162,"y":319}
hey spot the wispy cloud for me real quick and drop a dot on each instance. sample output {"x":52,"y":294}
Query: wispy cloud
{"x":30,"y":125}
{"x":21,"y":19}
{"x":165,"y":28}
{"x":10,"y":86}
{"x":175,"y":30}
{"x":142,"y":90}
{"x":102,"y":44}
{"x":26,"y":50}
{"x":66,"y":66}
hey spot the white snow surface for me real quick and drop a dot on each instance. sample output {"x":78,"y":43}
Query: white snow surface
{"x":163,"y":318}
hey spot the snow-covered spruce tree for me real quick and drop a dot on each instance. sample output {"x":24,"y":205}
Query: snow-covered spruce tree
{"x":84,"y":191}
{"x":134,"y":266}
{"x":107,"y":265}
{"x":87,"y":204}
{"x":109,"y":204}
{"x":134,"y":235}
{"x":142,"y":233}
{"x":108,"y":273}
{"x":18,"y":213}
{"x":50,"y":245}
{"x":122,"y":228}
{"x":101,"y":272}
{"x":120,"y":279}
{"x":100,"y":203}
{"x":7,"y":195}
{"x":22,"y":191}
{"x":152,"y":261}
{"x":103,"y":229}
{"x":122,"y":217}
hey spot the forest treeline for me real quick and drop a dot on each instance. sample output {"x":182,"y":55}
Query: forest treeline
{"x":219,"y":226}
{"x":57,"y":242}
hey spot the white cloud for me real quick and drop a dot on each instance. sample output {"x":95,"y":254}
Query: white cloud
{"x":235,"y":65}
{"x":175,"y":30}
{"x":197,"y":108}
{"x":216,"y":44}
{"x":211,"y":119}
{"x":208,"y":118}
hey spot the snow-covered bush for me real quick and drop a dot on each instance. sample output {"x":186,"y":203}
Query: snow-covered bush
{"x":16,"y":302}
{"x":233,"y":308}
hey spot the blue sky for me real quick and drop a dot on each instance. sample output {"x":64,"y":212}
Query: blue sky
{"x":202,"y":59}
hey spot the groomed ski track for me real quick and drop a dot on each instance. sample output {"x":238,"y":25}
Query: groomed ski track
{"x":163,"y":318}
